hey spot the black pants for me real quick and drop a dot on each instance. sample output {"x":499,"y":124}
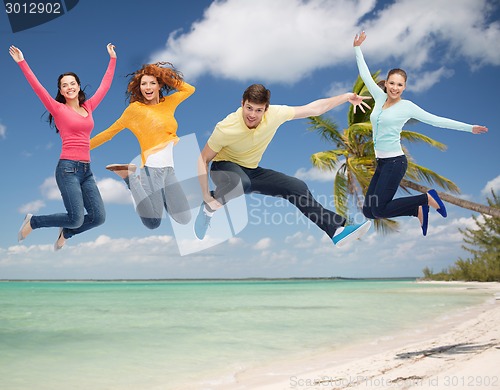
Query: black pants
{"x":379,"y":198}
{"x":227,"y":177}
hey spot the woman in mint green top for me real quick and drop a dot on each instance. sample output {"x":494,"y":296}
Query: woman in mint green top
{"x":388,"y":117}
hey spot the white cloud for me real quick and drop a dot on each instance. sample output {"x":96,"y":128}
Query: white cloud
{"x":304,"y":253}
{"x":467,"y":34}
{"x":286,"y":40}
{"x":31,"y":207}
{"x":263,"y":243}
{"x":50,"y":190}
{"x":301,"y":240}
{"x":3,"y":131}
{"x":491,"y":185}
{"x":236,"y":241}
{"x":305,"y":37}
{"x":315,"y":174}
{"x":339,"y":88}
{"x":103,"y":249}
{"x":426,"y":80}
{"x":114,"y":191}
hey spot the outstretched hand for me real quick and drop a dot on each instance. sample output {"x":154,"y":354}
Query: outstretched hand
{"x":16,"y":54}
{"x":359,"y":39}
{"x":358,"y":101}
{"x":479,"y":129}
{"x":111,"y":50}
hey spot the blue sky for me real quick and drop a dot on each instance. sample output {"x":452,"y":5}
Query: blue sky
{"x":302,"y":51}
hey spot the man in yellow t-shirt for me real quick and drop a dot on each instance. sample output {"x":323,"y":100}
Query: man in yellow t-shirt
{"x":235,"y":149}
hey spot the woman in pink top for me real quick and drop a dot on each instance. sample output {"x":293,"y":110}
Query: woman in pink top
{"x":71,"y":113}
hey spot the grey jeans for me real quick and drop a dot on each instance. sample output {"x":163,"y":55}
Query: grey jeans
{"x":158,"y":188}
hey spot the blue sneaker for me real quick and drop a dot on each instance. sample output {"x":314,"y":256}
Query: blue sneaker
{"x":351,"y":233}
{"x":202,"y":223}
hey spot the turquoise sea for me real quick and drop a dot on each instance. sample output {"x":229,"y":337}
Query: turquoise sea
{"x":149,"y":335}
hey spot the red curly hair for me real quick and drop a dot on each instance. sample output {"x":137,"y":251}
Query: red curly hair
{"x":167,"y":76}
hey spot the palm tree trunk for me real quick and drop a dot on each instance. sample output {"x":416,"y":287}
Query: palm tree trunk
{"x":480,"y":208}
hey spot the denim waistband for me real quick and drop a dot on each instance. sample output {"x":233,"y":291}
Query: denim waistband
{"x":395,"y":158}
{"x":76,"y":161}
{"x":75,"y":165}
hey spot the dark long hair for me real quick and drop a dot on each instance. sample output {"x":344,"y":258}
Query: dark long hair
{"x":61,"y":99}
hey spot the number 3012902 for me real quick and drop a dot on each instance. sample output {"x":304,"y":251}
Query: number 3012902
{"x":33,"y":8}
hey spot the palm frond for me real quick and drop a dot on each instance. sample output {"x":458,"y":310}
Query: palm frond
{"x":327,"y":129}
{"x":362,"y":169}
{"x":355,"y":145}
{"x":386,"y":226}
{"x":357,"y":136}
{"x":327,"y":160}
{"x":340,"y":193}
{"x":359,"y":88}
{"x":413,"y":137}
{"x":420,"y":173}
{"x":361,"y":128}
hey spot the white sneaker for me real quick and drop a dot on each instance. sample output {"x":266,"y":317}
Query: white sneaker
{"x":59,"y":245}
{"x":121,"y":167}
{"x":27,"y":219}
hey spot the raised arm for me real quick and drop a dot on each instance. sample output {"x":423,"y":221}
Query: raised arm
{"x":184,"y":91}
{"x":320,"y":106}
{"x":364,"y":72}
{"x":96,"y":99}
{"x":47,"y":100}
{"x":16,"y":54}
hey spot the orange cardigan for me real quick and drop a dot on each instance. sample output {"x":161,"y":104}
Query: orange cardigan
{"x":153,"y":125}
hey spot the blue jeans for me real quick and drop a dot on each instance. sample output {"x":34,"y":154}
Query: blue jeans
{"x":227,"y":175}
{"x":158,"y":188}
{"x":379,"y":198}
{"x":79,"y":193}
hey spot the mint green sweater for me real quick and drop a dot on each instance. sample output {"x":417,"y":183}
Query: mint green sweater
{"x":388,"y":123}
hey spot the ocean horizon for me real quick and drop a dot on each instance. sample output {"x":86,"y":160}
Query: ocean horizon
{"x":167,"y":334}
{"x":251,"y":278}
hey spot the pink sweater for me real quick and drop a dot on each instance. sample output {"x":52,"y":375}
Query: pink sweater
{"x":74,"y":129}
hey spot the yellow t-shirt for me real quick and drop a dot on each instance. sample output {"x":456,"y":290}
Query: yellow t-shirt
{"x":154,"y":125}
{"x":233,"y":141}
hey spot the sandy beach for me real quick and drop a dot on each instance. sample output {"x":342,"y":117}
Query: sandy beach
{"x":458,"y":351}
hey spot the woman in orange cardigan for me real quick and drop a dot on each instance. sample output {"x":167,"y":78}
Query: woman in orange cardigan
{"x":150,"y":117}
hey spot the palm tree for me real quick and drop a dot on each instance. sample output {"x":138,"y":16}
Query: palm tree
{"x":354,"y":162}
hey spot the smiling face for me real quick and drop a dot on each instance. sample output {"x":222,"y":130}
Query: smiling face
{"x":69,"y":88}
{"x":395,"y":83}
{"x":150,"y":89}
{"x":253,"y":113}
